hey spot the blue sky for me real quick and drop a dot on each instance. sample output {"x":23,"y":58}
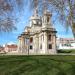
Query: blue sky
{"x":22,"y":22}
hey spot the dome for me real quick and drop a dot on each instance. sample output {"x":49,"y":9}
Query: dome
{"x":35,"y":20}
{"x":34,"y":17}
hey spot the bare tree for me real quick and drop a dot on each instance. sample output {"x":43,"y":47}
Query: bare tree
{"x":65,"y":10}
{"x":8,"y":15}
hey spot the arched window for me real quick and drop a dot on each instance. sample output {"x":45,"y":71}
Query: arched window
{"x":49,"y":37}
{"x":40,"y":46}
{"x":50,"y":46}
{"x":31,"y":47}
{"x":31,"y":39}
{"x":48,"y":18}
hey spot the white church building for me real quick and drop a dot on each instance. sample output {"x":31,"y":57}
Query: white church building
{"x":39,"y":37}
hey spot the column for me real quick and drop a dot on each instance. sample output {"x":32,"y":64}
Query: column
{"x":23,"y":44}
{"x":19,"y":45}
{"x":44,"y":47}
{"x":37,"y":44}
{"x":34,"y":44}
{"x":40,"y":43}
{"x":46,"y":42}
{"x":54,"y":44}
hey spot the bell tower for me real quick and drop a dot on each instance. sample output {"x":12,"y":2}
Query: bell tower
{"x":49,"y":33}
{"x":46,"y":19}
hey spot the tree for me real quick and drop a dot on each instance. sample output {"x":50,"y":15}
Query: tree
{"x":7,"y":14}
{"x":65,"y":10}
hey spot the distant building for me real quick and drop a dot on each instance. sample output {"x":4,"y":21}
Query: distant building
{"x":65,"y":43}
{"x":39,"y":37}
{"x":10,"y":48}
{"x":2,"y":49}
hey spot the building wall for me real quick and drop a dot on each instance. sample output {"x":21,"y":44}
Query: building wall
{"x":65,"y":43}
{"x":39,"y":44}
{"x":39,"y":33}
{"x":10,"y":48}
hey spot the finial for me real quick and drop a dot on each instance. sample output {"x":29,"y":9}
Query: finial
{"x":44,"y":6}
{"x":36,"y":12}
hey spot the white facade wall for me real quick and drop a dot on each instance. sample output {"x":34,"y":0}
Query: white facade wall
{"x":40,"y":36}
{"x":65,"y":44}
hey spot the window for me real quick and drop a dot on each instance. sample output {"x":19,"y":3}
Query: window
{"x":48,"y":19}
{"x":26,"y":41}
{"x":41,"y":46}
{"x":49,"y":37}
{"x":31,"y":40}
{"x":50,"y":46}
{"x":31,"y":47}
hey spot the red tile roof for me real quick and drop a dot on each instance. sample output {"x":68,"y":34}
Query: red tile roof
{"x":67,"y":38}
{"x":11,"y":46}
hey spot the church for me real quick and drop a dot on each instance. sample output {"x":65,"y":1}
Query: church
{"x":39,"y":37}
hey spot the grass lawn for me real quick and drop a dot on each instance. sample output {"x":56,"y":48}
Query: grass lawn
{"x":37,"y":65}
{"x":68,"y":51}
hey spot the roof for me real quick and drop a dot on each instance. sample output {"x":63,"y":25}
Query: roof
{"x":67,"y":38}
{"x":1,"y":48}
{"x":11,"y":46}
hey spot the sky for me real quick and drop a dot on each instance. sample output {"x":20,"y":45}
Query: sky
{"x":22,"y":22}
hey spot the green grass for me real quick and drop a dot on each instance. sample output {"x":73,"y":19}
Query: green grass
{"x":37,"y":65}
{"x":69,"y":51}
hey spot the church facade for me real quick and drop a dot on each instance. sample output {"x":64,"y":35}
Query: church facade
{"x":39,"y":37}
